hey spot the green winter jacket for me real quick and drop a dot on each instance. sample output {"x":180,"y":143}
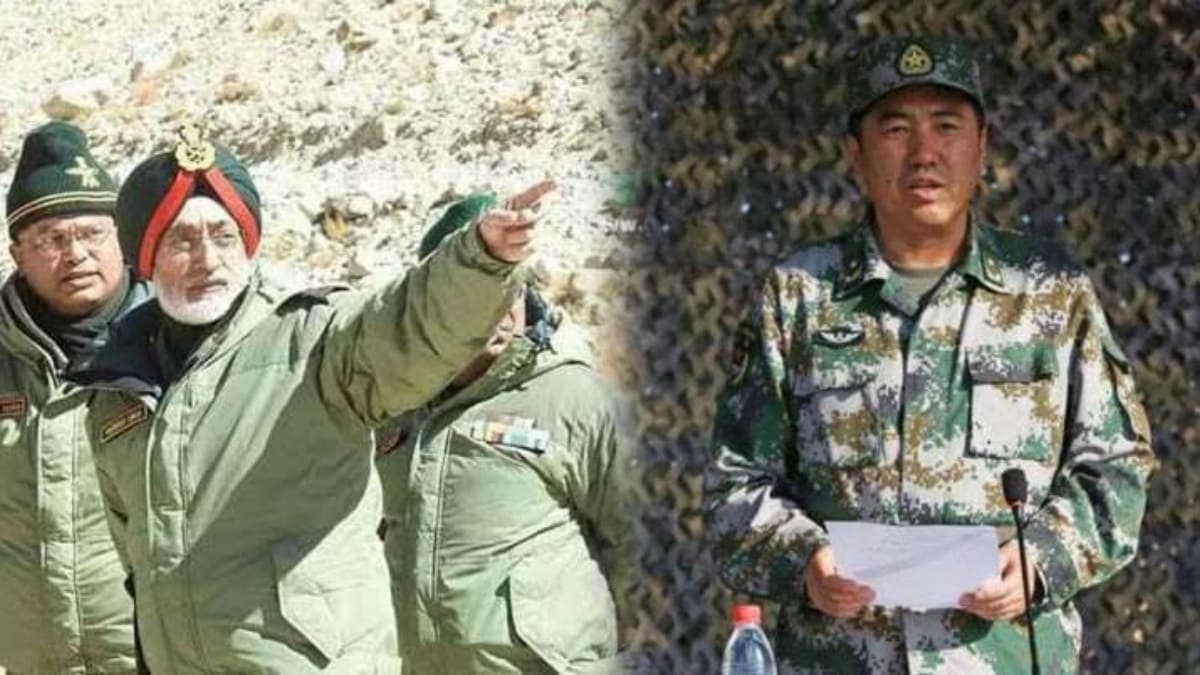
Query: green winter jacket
{"x":243,"y":494}
{"x":63,"y":605}
{"x":498,"y":503}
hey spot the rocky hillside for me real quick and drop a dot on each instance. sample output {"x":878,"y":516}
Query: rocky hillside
{"x":358,"y":116}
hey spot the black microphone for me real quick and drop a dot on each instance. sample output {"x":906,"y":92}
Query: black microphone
{"x":1015,"y":492}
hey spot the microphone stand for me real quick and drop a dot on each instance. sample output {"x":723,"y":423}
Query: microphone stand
{"x":1016,"y":511}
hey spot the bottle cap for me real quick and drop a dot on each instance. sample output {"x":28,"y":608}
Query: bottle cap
{"x":747,"y":614}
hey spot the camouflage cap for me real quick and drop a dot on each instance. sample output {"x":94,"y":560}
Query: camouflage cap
{"x":887,"y":65}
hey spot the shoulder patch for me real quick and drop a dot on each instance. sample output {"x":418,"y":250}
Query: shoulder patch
{"x":128,"y":418}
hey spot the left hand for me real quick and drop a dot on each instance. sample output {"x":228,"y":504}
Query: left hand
{"x":507,"y":232}
{"x":1002,"y":600}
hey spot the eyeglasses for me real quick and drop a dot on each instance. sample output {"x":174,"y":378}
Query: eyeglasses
{"x":53,"y":242}
{"x":189,"y":239}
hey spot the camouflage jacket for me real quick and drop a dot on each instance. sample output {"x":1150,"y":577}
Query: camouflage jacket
{"x":1010,"y":363}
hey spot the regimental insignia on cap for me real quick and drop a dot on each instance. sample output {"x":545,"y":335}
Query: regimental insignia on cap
{"x":87,"y":174}
{"x":13,"y":405}
{"x":914,"y":61}
{"x":194,"y":153}
{"x":123,"y":421}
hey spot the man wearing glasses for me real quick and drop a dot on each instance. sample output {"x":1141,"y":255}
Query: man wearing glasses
{"x":63,"y":605}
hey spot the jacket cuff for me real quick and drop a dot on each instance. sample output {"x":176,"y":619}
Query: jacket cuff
{"x":786,"y":574}
{"x":1053,"y":562}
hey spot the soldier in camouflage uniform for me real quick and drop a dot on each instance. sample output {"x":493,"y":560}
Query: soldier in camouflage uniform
{"x":893,"y":373}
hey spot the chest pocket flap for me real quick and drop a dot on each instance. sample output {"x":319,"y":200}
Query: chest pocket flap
{"x":1016,"y":402}
{"x":838,"y":361}
{"x":836,"y":408}
{"x":1017,"y":362}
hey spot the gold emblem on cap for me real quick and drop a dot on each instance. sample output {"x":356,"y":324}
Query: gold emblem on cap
{"x":194,"y":153}
{"x":85,"y":172}
{"x":914,"y":61}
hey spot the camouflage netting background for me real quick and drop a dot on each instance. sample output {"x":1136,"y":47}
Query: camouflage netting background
{"x":1096,"y":140}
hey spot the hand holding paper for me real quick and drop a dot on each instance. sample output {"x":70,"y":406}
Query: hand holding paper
{"x":916,"y":566}
{"x":833,"y":594}
{"x":1001,"y":600}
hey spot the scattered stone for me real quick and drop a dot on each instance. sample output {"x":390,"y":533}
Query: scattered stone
{"x":359,"y":206}
{"x":353,"y":39}
{"x":334,"y":224}
{"x":333,"y":64}
{"x":355,"y":117}
{"x":234,"y":89}
{"x":76,"y":99}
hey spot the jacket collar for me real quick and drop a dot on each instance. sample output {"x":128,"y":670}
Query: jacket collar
{"x":130,"y":361}
{"x":22,"y":334}
{"x":863,"y":262}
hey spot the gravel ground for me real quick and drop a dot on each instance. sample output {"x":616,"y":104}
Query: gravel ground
{"x":358,"y":117}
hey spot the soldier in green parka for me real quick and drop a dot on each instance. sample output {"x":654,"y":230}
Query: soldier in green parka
{"x":233,"y":423}
{"x":505,"y":506}
{"x":63,"y":603}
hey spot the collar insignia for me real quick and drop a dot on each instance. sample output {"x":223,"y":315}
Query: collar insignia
{"x":991,"y":269}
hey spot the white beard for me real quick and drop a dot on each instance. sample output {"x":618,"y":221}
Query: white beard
{"x":205,"y":310}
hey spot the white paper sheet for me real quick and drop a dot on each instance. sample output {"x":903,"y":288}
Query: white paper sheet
{"x":916,"y":566}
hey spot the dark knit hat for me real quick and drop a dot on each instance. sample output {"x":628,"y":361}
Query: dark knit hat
{"x":457,"y":216}
{"x":154,"y":193}
{"x":57,"y":176}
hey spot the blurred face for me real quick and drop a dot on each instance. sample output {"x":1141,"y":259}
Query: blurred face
{"x":72,"y":263}
{"x":918,"y":158}
{"x":200,"y":266}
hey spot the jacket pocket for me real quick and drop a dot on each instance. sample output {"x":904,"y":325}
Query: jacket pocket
{"x":563,"y":613}
{"x":837,"y":421}
{"x":301,"y":587}
{"x":1016,"y":410}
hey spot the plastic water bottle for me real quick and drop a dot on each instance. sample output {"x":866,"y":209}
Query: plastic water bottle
{"x":748,"y":652}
